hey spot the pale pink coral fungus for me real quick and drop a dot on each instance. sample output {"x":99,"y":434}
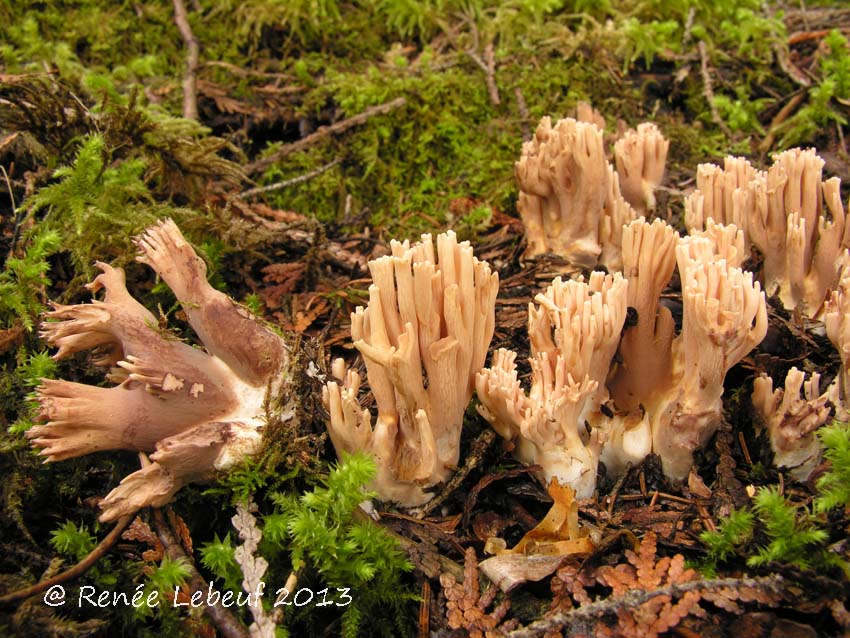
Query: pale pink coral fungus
{"x":196,"y":411}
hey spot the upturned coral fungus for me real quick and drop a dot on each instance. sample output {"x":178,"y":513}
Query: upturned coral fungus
{"x":423,"y":336}
{"x":197,"y":411}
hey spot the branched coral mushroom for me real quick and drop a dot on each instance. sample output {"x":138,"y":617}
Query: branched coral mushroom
{"x":566,"y":192}
{"x":197,"y":411}
{"x":791,"y":415}
{"x":426,"y":312}
{"x":837,"y":321}
{"x":572,"y":202}
{"x":795,"y":219}
{"x":666,"y":391}
{"x":574,"y":331}
{"x":641,"y":156}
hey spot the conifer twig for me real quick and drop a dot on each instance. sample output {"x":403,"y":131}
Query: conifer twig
{"x":79,"y":569}
{"x":323,"y":132}
{"x":288,"y":182}
{"x":190,"y":82}
{"x":253,"y":567}
{"x":575,"y":621}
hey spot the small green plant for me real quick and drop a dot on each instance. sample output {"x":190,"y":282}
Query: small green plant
{"x":741,"y":113}
{"x":24,"y":279}
{"x":648,"y":40}
{"x":836,"y":64}
{"x":733,"y":531}
{"x":793,"y":535}
{"x":822,"y":109}
{"x":77,"y":542}
{"x":218,"y":557}
{"x":169,"y":574}
{"x":74,"y":541}
{"x":779,"y":531}
{"x":782,"y":532}
{"x":320,"y":528}
{"x":834,"y":485}
{"x":93,"y":205}
{"x":33,"y":367}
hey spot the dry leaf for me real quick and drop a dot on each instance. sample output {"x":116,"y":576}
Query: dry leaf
{"x":542,"y":549}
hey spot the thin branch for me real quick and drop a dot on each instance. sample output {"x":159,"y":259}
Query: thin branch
{"x":524,"y":116}
{"x":190,"y":82}
{"x":227,"y":624}
{"x":689,"y":24}
{"x":9,"y":186}
{"x":288,"y":182}
{"x":77,"y":570}
{"x":574,"y":621}
{"x":488,"y":65}
{"x":784,"y":113}
{"x":480,"y":446}
{"x":17,"y":213}
{"x":708,"y":90}
{"x":789,"y":68}
{"x":323,"y":132}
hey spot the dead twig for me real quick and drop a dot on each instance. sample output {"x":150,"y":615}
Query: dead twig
{"x":425,"y":610}
{"x":322,"y":132}
{"x":190,"y":82}
{"x":288,"y":182}
{"x":488,"y":65}
{"x":522,"y":107}
{"x":479,"y":448}
{"x":612,"y":498}
{"x":789,"y":68}
{"x":806,"y":36}
{"x":708,"y":90}
{"x":77,"y":570}
{"x":227,"y":624}
{"x":575,"y":621}
{"x":784,"y":113}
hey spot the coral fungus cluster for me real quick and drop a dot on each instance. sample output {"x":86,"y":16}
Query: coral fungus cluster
{"x":602,"y":389}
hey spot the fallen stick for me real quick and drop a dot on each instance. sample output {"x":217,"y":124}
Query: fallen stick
{"x":288,"y":182}
{"x":708,"y":90}
{"x":227,"y":624}
{"x":323,"y":132}
{"x":190,"y":82}
{"x":77,"y":570}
